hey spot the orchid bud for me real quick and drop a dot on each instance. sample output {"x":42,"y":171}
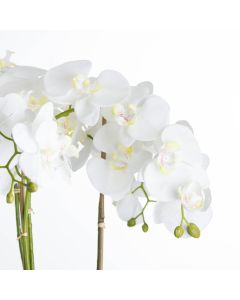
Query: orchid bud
{"x":131,"y":222}
{"x":178,"y":232}
{"x":193,"y":230}
{"x":10,"y":197}
{"x":32,"y":187}
{"x":145,"y":227}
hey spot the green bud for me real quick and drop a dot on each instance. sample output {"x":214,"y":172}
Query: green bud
{"x":131,"y":222}
{"x":32,"y":187}
{"x":145,"y":227}
{"x":178,"y":232}
{"x":193,"y":230}
{"x":10,"y":197}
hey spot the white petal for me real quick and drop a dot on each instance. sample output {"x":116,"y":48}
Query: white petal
{"x":26,"y":72}
{"x":151,"y":119}
{"x":147,"y":86}
{"x":87,"y":112}
{"x":23,"y":137}
{"x":45,"y":114}
{"x":58,"y":80}
{"x":78,"y":163}
{"x":138,"y":160}
{"x":165,"y":186}
{"x":185,"y":123}
{"x":189,"y":151}
{"x":5,"y":182}
{"x":6,"y":151}
{"x":170,"y":215}
{"x":208,"y":198}
{"x":30,"y":164}
{"x":156,"y":111}
{"x":46,"y":136}
{"x":19,"y":79}
{"x":113,"y":87}
{"x":205,"y":161}
{"x":178,"y":133}
{"x":127,"y":207}
{"x":107,"y":180}
{"x":13,"y":107}
{"x":107,"y":138}
{"x":168,"y":211}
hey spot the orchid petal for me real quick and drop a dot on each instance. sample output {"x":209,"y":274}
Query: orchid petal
{"x":106,"y":179}
{"x":113,"y":87}
{"x":87,"y":112}
{"x":23,"y":137}
{"x":58,"y":80}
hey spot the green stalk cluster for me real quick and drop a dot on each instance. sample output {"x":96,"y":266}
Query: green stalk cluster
{"x":132,"y":222}
{"x":20,"y":193}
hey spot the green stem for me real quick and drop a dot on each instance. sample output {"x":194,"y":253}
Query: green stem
{"x":5,"y":136}
{"x":183,"y":216}
{"x":19,"y":226}
{"x":30,"y":235}
{"x":65,"y":113}
{"x":147,"y":202}
{"x":27,"y":265}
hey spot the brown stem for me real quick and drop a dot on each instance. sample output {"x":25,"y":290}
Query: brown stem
{"x":101,"y":217}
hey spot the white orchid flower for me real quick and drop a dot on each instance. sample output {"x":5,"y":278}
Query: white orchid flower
{"x":171,"y":215}
{"x":12,"y":110}
{"x":27,"y":82}
{"x":44,"y":151}
{"x":121,"y":164}
{"x":82,"y":138}
{"x":185,"y":189}
{"x":141,"y":115}
{"x":109,"y":139}
{"x":107,"y":178}
{"x":177,"y":145}
{"x":114,"y":176}
{"x":69,"y":84}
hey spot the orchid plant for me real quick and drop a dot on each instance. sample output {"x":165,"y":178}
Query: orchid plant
{"x":54,"y":122}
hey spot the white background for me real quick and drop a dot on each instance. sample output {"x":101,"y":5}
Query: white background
{"x":197,"y":71}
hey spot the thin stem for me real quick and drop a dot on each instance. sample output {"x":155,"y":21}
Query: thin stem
{"x":100,"y":232}
{"x":65,"y":113}
{"x":19,"y":225}
{"x":183,"y":216}
{"x":30,"y":236}
{"x":5,"y":136}
{"x":101,"y":217}
{"x":27,"y":265}
{"x":141,"y":186}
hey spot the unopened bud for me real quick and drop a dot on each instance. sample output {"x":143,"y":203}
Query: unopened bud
{"x":193,"y":230}
{"x":32,"y":187}
{"x":10,"y":197}
{"x":131,"y":222}
{"x":145,"y":227}
{"x":178,"y":232}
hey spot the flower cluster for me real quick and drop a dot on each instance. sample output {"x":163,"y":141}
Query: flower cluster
{"x":54,"y":122}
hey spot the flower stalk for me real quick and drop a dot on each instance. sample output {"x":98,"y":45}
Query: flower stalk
{"x":101,"y":217}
